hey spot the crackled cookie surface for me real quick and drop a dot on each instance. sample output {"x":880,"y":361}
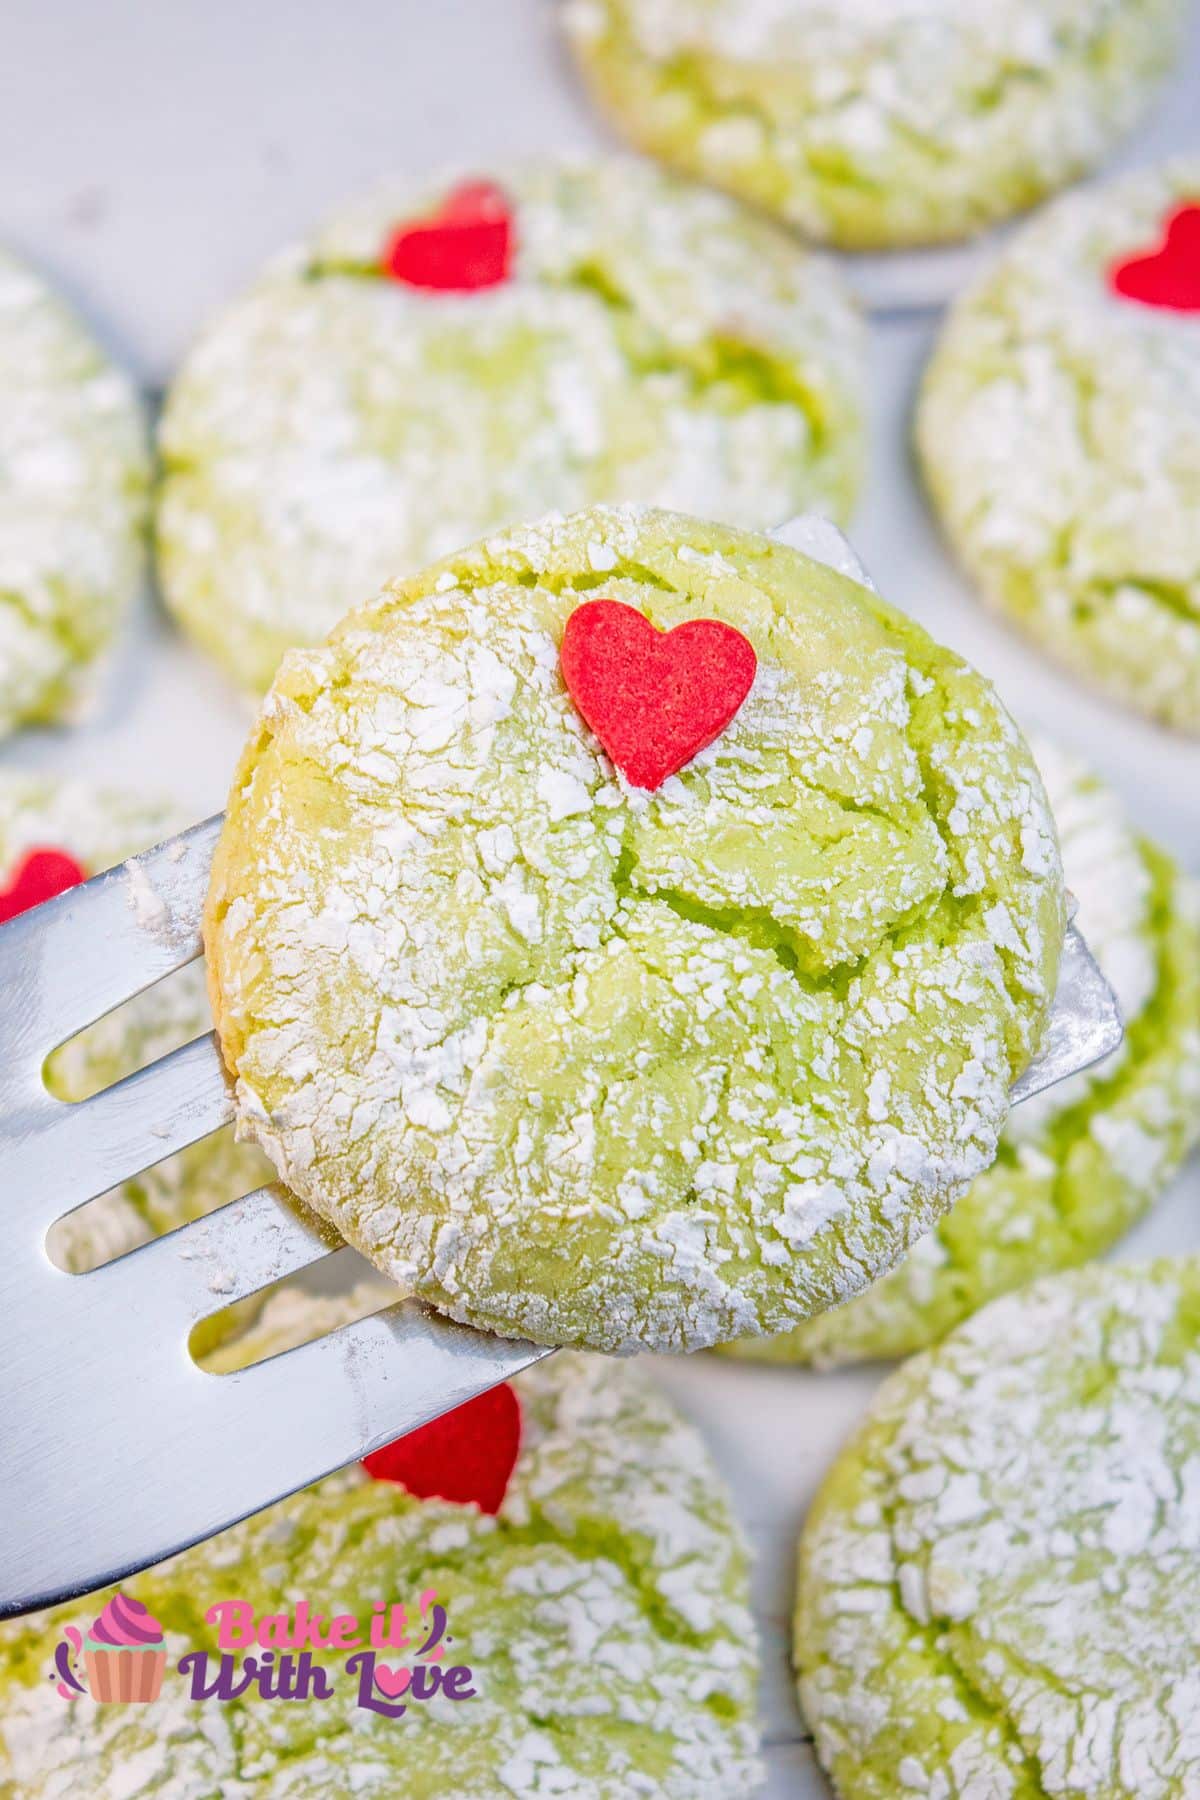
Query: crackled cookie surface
{"x":92,"y":829}
{"x":603,"y":1612}
{"x":1059,"y":432}
{"x":74,"y":473}
{"x":637,"y":339}
{"x":1081,"y":1162}
{"x":617,"y":1067}
{"x":1000,"y":1578}
{"x":877,"y":122}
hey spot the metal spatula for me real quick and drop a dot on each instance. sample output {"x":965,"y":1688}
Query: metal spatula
{"x":117,"y":1449}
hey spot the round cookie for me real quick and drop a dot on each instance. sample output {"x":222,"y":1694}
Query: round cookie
{"x":1000,"y":1578}
{"x":1059,"y":433}
{"x":603,"y":1613}
{"x":1080,"y":1163}
{"x":74,"y":476}
{"x":594,"y":1064}
{"x":869,"y":123}
{"x":93,"y":829}
{"x":640,"y":339}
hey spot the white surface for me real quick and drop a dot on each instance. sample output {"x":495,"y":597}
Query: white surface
{"x":151,"y":157}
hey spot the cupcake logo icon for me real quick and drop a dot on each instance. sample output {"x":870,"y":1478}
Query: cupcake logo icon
{"x":124,"y":1655}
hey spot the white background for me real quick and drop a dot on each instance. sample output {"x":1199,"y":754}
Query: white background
{"x":152,"y":154}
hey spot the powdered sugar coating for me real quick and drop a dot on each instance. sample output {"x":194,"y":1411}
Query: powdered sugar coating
{"x":73,"y":478}
{"x":600,"y":1066}
{"x":999,"y":1581}
{"x":655,"y":342}
{"x":1082,"y":1161}
{"x":876,"y":122}
{"x":604,"y":1614}
{"x":1059,"y":431}
{"x":99,"y":827}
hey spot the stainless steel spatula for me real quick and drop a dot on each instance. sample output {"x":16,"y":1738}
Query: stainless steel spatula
{"x":116,"y":1448}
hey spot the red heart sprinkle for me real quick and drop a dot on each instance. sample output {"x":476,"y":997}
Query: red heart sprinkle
{"x":467,"y":1455}
{"x":654,"y":698}
{"x":1170,"y":275}
{"x":465,"y":246}
{"x":474,"y":203}
{"x":42,"y":875}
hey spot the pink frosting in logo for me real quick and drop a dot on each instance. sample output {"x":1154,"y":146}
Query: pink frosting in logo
{"x":125,"y":1623}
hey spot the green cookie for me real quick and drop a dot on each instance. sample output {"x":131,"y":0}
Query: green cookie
{"x":1080,"y":1163}
{"x":96,"y":828}
{"x":870,"y":124}
{"x":1059,"y":433}
{"x":74,"y":474}
{"x":652,"y":342}
{"x":603,"y":1614}
{"x":1000,"y":1579}
{"x":605,"y":1066}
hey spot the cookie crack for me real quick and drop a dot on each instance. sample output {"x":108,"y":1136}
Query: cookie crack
{"x":721,"y":363}
{"x":937,"y":1644}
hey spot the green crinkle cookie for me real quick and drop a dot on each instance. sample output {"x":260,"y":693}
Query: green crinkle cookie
{"x":596,"y":1065}
{"x":867,"y":123}
{"x":97,"y":828}
{"x":1000,"y":1579}
{"x":1081,"y":1163}
{"x":1059,"y":434}
{"x":603,"y":1613}
{"x":74,"y":475}
{"x":654,"y":342}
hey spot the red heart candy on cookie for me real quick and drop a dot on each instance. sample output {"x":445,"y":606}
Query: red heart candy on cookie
{"x":1170,"y":275}
{"x":467,"y":1455}
{"x":654,"y":698}
{"x":42,"y":875}
{"x":465,"y":246}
